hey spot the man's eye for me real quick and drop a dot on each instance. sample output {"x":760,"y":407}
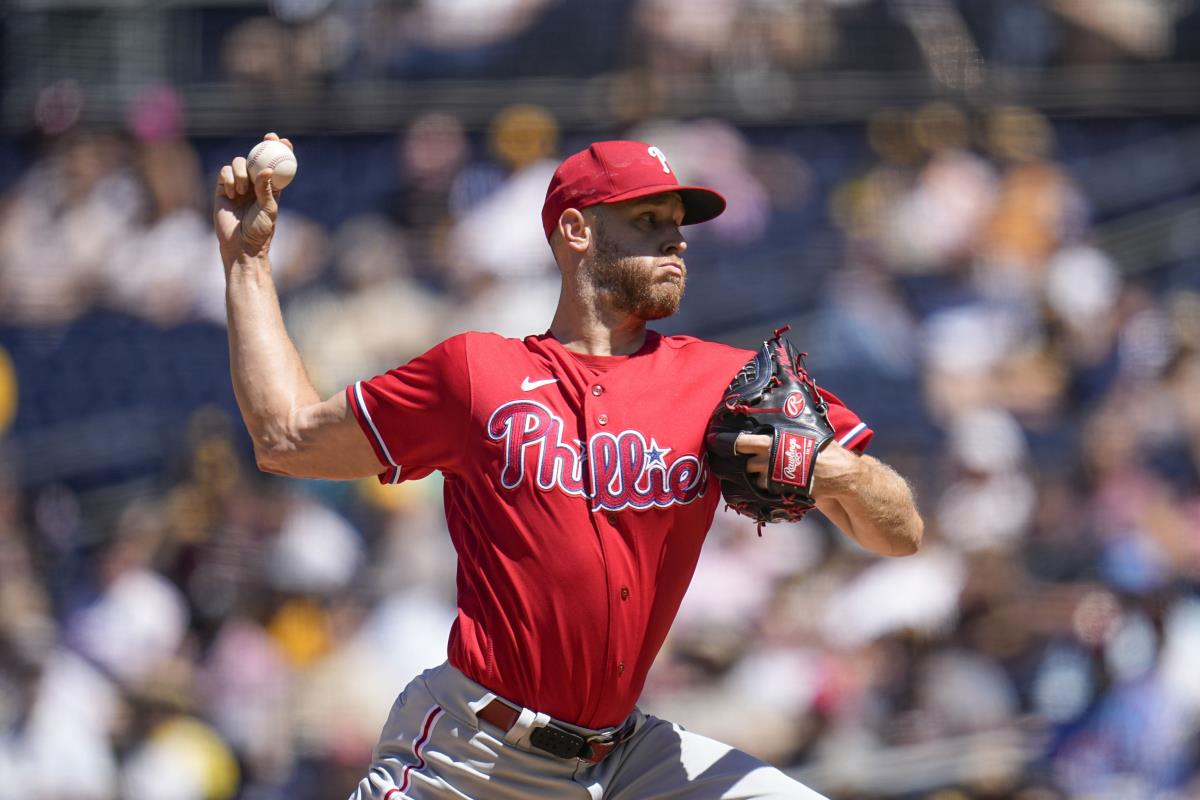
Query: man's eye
{"x":648,"y":217}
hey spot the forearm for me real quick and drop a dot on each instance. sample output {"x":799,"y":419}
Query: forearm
{"x":269,"y":380}
{"x":868,"y":500}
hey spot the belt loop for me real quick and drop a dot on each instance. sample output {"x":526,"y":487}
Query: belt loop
{"x":527,"y":720}
{"x":521,"y":727}
{"x":479,"y":704}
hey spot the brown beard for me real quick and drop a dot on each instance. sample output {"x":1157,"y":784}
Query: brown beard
{"x":630,"y":285}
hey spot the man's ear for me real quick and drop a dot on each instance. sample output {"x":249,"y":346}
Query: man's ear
{"x":575,"y":231}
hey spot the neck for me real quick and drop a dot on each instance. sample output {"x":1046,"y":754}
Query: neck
{"x":589,"y":328}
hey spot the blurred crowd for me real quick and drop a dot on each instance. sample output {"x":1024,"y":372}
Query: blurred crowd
{"x":185,"y":628}
{"x":1054,"y":597}
{"x":737,"y":41}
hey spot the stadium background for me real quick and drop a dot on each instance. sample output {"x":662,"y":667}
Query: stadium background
{"x":981,"y":217}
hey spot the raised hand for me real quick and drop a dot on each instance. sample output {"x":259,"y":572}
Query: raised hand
{"x":244,"y":213}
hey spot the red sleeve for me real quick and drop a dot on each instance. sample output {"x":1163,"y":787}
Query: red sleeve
{"x":416,"y":416}
{"x":850,"y":431}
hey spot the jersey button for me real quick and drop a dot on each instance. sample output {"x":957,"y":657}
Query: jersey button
{"x":620,"y":667}
{"x":624,"y":592}
{"x":612,"y":519}
{"x":597,"y":390}
{"x":602,"y":419}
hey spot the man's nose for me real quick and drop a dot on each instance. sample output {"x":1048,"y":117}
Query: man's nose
{"x":676,"y":245}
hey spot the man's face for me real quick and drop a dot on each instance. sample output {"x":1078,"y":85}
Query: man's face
{"x":636,"y":262}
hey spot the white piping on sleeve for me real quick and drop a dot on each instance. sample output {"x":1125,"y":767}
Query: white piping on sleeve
{"x":362,"y":406}
{"x":852,"y":433}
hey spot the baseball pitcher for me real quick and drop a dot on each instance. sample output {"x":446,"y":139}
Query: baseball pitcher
{"x":581,"y":477}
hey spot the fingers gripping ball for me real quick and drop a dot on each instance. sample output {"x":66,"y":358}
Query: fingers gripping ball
{"x":773,"y":395}
{"x":275,"y":155}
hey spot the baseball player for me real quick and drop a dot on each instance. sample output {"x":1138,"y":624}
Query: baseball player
{"x":577,"y":494}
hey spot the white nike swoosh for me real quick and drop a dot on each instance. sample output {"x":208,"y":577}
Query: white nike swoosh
{"x":528,"y":385}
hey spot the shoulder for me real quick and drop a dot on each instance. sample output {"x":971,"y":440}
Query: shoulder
{"x":694,"y":348}
{"x":476,"y":343}
{"x":476,"y":339}
{"x":485,"y":356}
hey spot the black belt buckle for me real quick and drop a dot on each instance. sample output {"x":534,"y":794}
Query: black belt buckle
{"x":557,"y":741}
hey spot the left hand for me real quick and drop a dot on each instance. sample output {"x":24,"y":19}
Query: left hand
{"x":859,"y":494}
{"x":758,"y":447}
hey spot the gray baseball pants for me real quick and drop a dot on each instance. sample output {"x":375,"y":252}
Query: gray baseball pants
{"x":433,"y":747}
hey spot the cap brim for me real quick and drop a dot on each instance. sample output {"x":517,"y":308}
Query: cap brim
{"x":700,"y":204}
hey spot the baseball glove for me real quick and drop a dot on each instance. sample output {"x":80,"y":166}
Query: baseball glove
{"x":773,"y":394}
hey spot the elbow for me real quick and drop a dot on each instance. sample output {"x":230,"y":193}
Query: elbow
{"x":908,"y":540}
{"x":273,"y":453}
{"x":269,"y":461}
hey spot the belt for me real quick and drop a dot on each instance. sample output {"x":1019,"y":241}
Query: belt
{"x":555,"y":739}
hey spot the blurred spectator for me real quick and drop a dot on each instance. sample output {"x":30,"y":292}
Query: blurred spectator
{"x":167,"y":269}
{"x":463,"y":24}
{"x":433,"y":156}
{"x":181,"y":759}
{"x":138,"y":619}
{"x":268,"y":52}
{"x":990,"y":501}
{"x":59,"y":225}
{"x":353,"y":329}
{"x":501,"y":268}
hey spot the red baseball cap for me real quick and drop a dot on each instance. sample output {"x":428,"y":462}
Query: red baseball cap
{"x":609,"y":172}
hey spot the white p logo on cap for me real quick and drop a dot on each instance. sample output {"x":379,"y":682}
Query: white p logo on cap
{"x":661,"y":156}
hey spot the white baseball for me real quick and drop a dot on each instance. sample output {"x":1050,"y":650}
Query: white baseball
{"x":276,"y":155}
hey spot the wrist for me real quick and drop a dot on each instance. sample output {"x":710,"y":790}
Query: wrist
{"x":836,"y":471}
{"x":247,"y":264}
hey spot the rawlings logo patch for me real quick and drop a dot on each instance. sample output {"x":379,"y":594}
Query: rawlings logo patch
{"x":794,"y":405}
{"x":793,"y":459}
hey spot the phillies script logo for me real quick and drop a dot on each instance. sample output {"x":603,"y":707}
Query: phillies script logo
{"x":625,"y":470}
{"x":794,"y":405}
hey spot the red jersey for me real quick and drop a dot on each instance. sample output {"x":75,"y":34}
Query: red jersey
{"x":577,"y":497}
